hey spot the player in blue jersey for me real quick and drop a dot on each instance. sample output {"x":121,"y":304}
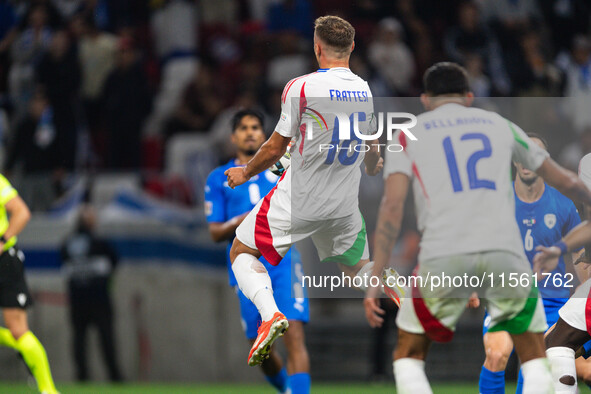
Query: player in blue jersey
{"x":225,"y":209}
{"x":544,"y":216}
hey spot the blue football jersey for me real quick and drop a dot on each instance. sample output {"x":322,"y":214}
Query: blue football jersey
{"x":222,"y":203}
{"x":545,"y":222}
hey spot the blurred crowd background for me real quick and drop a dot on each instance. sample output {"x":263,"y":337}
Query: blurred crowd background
{"x":92,"y":86}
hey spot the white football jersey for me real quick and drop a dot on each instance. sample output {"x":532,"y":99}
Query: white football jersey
{"x":323,"y":179}
{"x":460,"y":168}
{"x":585,"y":170}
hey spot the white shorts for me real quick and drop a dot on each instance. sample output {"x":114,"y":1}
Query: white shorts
{"x":272,"y":230}
{"x":434,"y":310}
{"x":577,"y":310}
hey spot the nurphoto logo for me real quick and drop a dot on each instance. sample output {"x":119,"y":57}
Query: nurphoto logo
{"x":346,"y":128}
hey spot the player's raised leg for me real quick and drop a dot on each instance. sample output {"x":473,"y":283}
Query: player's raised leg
{"x":273,"y":367}
{"x":254,"y":281}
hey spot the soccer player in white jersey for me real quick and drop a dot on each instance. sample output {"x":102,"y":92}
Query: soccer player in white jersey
{"x":459,"y":167}
{"x":317,"y":196}
{"x":573,"y":329}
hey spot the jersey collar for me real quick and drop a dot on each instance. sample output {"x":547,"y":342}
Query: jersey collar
{"x":323,"y":70}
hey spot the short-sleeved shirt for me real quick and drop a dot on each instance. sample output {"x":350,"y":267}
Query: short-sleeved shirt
{"x":323,"y":179}
{"x":7,"y":193}
{"x":544,"y":222}
{"x":223,"y":203}
{"x":460,"y":166}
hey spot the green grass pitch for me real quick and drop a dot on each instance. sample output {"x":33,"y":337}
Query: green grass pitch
{"x":160,"y":388}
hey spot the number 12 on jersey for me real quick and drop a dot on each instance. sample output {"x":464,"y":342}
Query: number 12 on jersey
{"x":452,"y":163}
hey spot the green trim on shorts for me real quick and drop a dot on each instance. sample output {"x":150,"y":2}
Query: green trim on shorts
{"x":520,"y":323}
{"x":352,"y":256}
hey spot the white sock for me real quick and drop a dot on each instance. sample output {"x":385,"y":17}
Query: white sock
{"x":537,"y":378}
{"x":562,"y":363}
{"x":254,"y":281}
{"x":410,"y":377}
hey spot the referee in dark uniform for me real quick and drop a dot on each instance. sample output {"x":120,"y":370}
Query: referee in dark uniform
{"x":89,"y":263}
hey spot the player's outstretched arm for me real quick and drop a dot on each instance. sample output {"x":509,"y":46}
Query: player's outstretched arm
{"x":547,"y":257}
{"x":567,"y":182}
{"x":387,"y":231}
{"x":267,"y":155}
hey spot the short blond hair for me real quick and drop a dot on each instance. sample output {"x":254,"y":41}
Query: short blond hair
{"x":335,"y":32}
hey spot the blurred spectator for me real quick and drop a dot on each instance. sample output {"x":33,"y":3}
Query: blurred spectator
{"x":571,"y":155}
{"x":114,"y":15}
{"x":565,"y":19}
{"x":26,"y":51}
{"x":531,"y":72}
{"x":88,"y":264}
{"x":479,"y":82}
{"x":37,"y":146}
{"x":174,"y":27}
{"x":199,"y":105}
{"x":291,"y":15}
{"x":372,"y":10}
{"x":578,"y":83}
{"x":418,"y":35}
{"x":58,"y":72}
{"x":8,"y":22}
{"x":96,"y":53}
{"x":415,"y":27}
{"x":258,"y":10}
{"x":469,"y":37}
{"x":8,"y":32}
{"x":424,"y":52}
{"x":127,"y":102}
{"x":291,"y":62}
{"x":509,"y":17}
{"x":392,"y":59}
{"x":511,"y":13}
{"x":68,"y":8}
{"x":219,"y":12}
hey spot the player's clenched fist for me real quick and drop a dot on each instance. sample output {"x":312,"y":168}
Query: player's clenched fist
{"x":236,"y":176}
